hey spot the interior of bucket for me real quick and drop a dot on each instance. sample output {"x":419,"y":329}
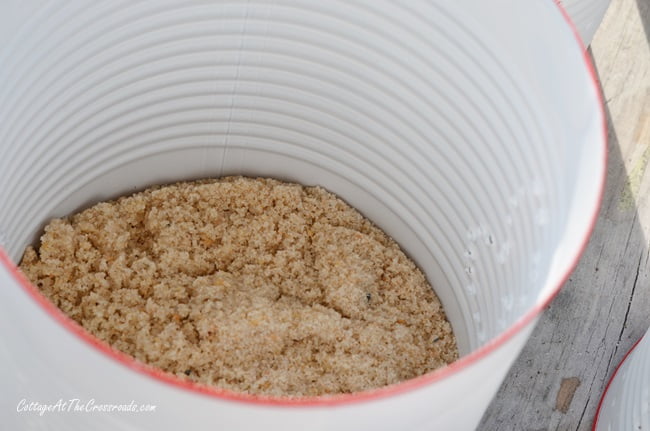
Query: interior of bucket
{"x":449,"y":136}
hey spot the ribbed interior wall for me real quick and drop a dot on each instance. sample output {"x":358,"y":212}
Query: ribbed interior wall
{"x":587,"y":15}
{"x":398,"y":107}
{"x":627,"y":401}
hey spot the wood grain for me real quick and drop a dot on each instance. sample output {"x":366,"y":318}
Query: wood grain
{"x":605,"y":306}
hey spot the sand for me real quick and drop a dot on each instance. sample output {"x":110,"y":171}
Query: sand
{"x":252,"y":285}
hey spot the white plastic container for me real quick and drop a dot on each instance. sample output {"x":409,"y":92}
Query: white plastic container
{"x":476,"y":143}
{"x":625,"y":404}
{"x":586,"y":15}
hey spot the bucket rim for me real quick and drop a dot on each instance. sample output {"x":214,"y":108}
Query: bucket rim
{"x":384,"y":392}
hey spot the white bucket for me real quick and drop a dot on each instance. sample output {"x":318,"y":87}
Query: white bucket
{"x":587,"y":16}
{"x":470,"y":131}
{"x":625,"y":404}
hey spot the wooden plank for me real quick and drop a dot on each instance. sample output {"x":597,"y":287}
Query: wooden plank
{"x":605,"y":306}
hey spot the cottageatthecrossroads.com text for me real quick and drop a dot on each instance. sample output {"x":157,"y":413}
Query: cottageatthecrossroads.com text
{"x":76,"y":405}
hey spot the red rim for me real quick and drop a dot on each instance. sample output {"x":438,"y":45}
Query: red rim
{"x":611,"y":380}
{"x":398,"y":388}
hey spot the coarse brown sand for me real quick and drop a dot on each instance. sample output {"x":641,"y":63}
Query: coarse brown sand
{"x":253,"y":285}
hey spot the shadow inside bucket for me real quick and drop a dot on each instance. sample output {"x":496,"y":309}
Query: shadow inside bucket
{"x":567,"y":389}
